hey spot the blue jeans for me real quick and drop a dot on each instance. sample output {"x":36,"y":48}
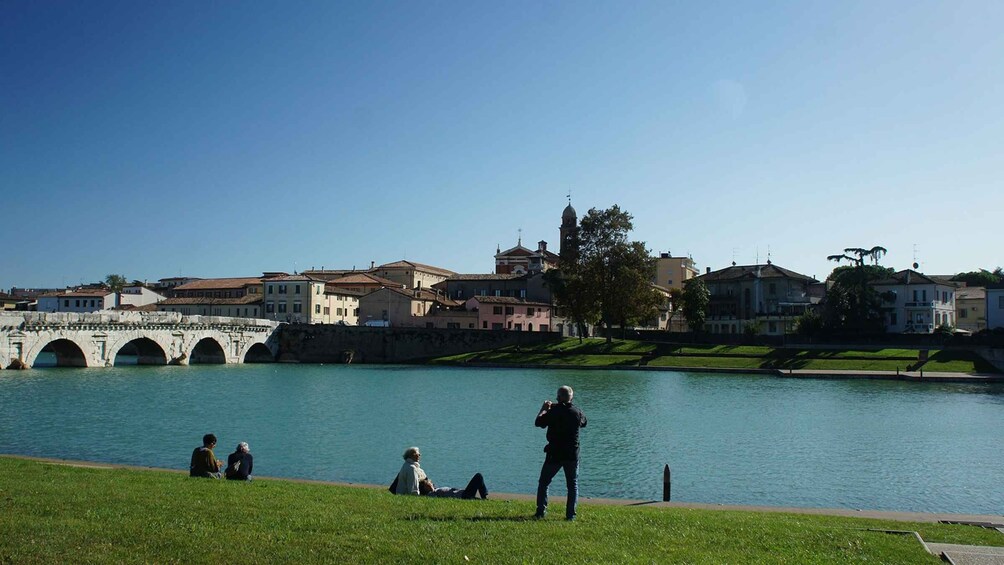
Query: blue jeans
{"x":547,"y":472}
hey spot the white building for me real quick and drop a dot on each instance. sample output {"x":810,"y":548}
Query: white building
{"x":138,"y":295}
{"x":90,"y":300}
{"x":915,"y":303}
{"x":995,"y":306}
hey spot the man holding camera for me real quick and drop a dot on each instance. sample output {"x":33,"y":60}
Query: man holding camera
{"x":562,"y":420}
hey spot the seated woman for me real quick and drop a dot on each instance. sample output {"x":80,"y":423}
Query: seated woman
{"x":240,"y":463}
{"x":411,"y":479}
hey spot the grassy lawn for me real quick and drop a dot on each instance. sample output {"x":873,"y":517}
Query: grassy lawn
{"x":53,"y":513}
{"x":595,"y":352}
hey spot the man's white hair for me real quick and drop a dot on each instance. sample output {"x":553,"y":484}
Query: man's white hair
{"x":243,"y":446}
{"x":411,"y":453}
{"x":566,"y":392}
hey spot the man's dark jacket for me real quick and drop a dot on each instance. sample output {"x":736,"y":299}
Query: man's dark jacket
{"x":562,"y":421}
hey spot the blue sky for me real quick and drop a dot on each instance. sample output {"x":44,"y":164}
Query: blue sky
{"x":209,"y":139}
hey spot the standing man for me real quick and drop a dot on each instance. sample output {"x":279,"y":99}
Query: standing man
{"x":562,"y":421}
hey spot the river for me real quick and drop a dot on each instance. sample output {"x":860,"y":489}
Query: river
{"x":730,"y":439}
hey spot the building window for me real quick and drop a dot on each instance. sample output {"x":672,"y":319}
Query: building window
{"x":317,"y":308}
{"x":297,"y":308}
{"x":269,"y":307}
{"x":282,"y":307}
{"x":510,"y":310}
{"x":282,"y":289}
{"x":522,"y":293}
{"x":497,"y":310}
{"x":453,"y":325}
{"x":772,"y":327}
{"x":66,"y":303}
{"x":484,"y":325}
{"x":892,"y":319}
{"x":296,"y":289}
{"x":270,"y":288}
{"x":77,"y":303}
{"x":498,"y":292}
{"x":529,"y":311}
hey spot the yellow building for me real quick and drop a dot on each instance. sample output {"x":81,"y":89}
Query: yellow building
{"x":412,"y":275}
{"x":672,"y":272}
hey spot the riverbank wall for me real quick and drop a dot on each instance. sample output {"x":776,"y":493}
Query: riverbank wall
{"x":316,"y":343}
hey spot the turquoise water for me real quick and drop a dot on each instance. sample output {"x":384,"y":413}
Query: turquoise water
{"x":730,"y":439}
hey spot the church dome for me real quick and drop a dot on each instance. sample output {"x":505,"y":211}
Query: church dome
{"x":568,"y":213}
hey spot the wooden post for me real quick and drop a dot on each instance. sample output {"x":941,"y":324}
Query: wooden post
{"x":667,"y":485}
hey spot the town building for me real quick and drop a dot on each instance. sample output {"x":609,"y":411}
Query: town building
{"x":10,"y":302}
{"x":671,"y":272}
{"x":341,"y":306}
{"x":971,"y":308}
{"x":88,"y":300}
{"x":995,"y":306}
{"x":520,"y":260}
{"x":138,"y":295}
{"x":297,"y":299}
{"x":915,"y":303}
{"x":167,"y":285}
{"x":764,"y":299}
{"x":362,"y":283}
{"x":237,"y":297}
{"x":411,"y":274}
{"x":399,"y":307}
{"x":511,"y":314}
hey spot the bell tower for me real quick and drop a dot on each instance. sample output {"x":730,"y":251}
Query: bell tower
{"x":569,"y":232}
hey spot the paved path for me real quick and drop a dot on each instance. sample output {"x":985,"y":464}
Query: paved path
{"x":968,"y":554}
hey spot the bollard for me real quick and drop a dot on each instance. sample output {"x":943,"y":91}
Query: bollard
{"x":667,"y":485}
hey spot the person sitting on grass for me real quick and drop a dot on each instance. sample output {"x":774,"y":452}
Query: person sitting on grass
{"x":240,"y":463}
{"x":204,"y":462}
{"x":411,"y":479}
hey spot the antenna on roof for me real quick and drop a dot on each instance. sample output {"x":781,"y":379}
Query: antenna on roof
{"x":569,"y":197}
{"x":768,"y":254}
{"x":916,"y":265}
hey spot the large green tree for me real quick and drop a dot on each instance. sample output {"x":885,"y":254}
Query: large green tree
{"x":610,"y":279}
{"x":852,"y":304}
{"x":116,"y":282}
{"x":981,"y":277}
{"x":696,"y":297}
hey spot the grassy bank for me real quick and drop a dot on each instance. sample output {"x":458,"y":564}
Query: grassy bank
{"x":626,"y":353}
{"x":56,"y":513}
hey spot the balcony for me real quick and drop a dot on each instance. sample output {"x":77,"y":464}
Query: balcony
{"x":923,"y":304}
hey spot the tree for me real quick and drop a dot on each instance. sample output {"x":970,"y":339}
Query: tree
{"x":852,"y":304}
{"x":981,"y":277}
{"x":675,"y":305}
{"x":116,"y":282}
{"x":696,"y":297}
{"x":609,"y":279}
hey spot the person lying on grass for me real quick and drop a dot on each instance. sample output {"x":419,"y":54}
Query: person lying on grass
{"x":411,"y":479}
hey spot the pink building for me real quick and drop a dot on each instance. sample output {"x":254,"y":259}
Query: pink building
{"x":509,"y":313}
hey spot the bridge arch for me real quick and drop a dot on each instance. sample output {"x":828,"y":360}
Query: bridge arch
{"x":147,"y":350}
{"x":67,"y":352}
{"x":258,"y":352}
{"x":207,"y":351}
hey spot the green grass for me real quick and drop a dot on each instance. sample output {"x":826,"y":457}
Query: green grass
{"x":53,"y":513}
{"x":595,"y":352}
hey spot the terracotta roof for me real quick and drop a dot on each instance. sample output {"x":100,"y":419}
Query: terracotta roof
{"x":331,"y":274}
{"x":218,"y":284}
{"x":200,"y":300}
{"x":903,"y":276}
{"x":507,"y":300}
{"x":749,"y":272}
{"x":485,"y":277}
{"x":416,"y":294}
{"x":343,"y":291}
{"x":417,"y":266}
{"x":364,"y":278}
{"x":295,"y":278}
{"x":81,"y":294}
{"x":133,"y":308}
{"x":971,"y":293}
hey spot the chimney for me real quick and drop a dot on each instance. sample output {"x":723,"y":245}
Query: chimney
{"x":372,"y":264}
{"x":708,"y":270}
{"x":541,"y":245}
{"x":664,"y":255}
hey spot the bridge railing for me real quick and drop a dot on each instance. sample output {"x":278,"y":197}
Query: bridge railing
{"x":27,"y":319}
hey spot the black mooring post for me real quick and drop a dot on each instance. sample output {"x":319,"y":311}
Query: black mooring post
{"x":667,"y":485}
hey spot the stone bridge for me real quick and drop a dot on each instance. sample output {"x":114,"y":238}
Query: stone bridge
{"x":145,"y":338}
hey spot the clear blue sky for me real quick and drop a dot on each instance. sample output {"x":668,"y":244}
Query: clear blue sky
{"x":210,"y":139}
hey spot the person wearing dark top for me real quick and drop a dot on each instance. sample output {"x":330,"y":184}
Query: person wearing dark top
{"x":204,"y":461}
{"x":240,"y":463}
{"x":562,"y":420}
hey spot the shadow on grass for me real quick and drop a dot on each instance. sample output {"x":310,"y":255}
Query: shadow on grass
{"x":415,"y":517}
